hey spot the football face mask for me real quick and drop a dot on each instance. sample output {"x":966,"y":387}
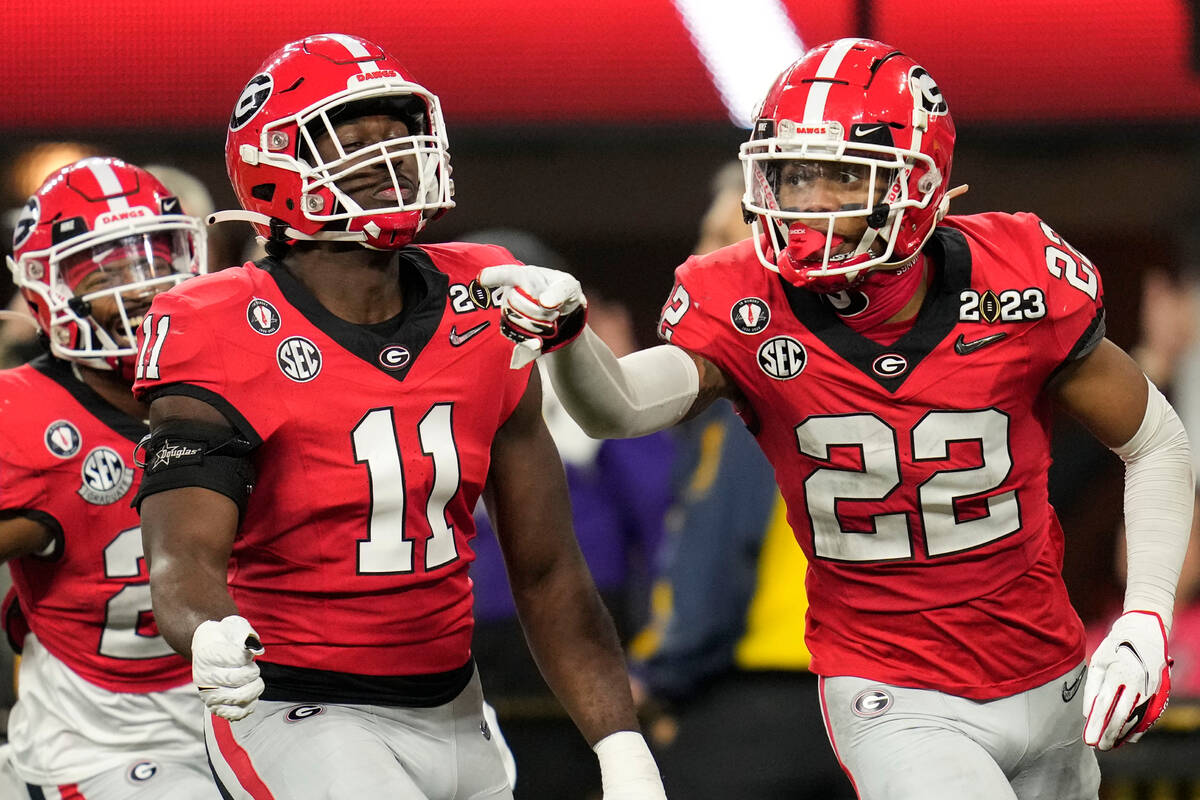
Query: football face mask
{"x":113,"y":282}
{"x":825,"y":213}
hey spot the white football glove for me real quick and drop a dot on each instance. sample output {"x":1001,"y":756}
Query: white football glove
{"x":627,"y":769}
{"x":1128,"y":681}
{"x":223,"y":666}
{"x":541,"y":309}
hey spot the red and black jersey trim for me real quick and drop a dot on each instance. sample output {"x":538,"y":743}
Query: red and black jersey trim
{"x":290,"y":684}
{"x":948,"y":249}
{"x":1088,"y":341}
{"x":426,"y":290}
{"x":60,"y":372}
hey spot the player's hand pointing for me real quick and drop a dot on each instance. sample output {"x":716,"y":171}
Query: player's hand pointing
{"x":541,"y":309}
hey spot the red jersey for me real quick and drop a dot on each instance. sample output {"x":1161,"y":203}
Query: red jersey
{"x":372,"y":449}
{"x":66,"y":460}
{"x":915,"y":473}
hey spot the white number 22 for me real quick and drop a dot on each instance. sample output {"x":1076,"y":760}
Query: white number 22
{"x":880,"y":476}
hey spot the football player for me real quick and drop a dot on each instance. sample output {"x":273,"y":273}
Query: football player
{"x":899,"y":368}
{"x":106,"y":709}
{"x":360,"y":386}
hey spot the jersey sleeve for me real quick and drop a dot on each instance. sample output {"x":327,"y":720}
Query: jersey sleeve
{"x":181,"y":351}
{"x":1074,"y":324}
{"x":20,"y":487}
{"x":22,"y":475}
{"x":686,"y":319}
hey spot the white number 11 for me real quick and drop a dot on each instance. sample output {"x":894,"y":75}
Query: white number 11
{"x":387,"y":550}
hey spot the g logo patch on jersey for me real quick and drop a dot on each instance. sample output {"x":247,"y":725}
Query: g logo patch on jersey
{"x":750,"y":315}
{"x":299,"y":359}
{"x":394,"y":356}
{"x":889,"y":365}
{"x":782,"y":357}
{"x":142,"y":771}
{"x":870,"y":703}
{"x":62,"y":438}
{"x":106,"y":479}
{"x":253,"y":98}
{"x":263,"y":317}
{"x":301,"y":713}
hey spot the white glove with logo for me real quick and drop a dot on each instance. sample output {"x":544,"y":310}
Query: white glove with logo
{"x":541,"y":309}
{"x":627,"y":769}
{"x":1128,"y":681}
{"x":223,"y":666}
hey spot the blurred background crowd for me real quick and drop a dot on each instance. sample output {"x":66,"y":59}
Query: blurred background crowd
{"x":600,"y":136}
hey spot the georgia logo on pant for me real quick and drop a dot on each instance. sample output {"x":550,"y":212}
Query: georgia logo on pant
{"x":301,"y":713}
{"x":871,"y":703}
{"x":142,"y":771}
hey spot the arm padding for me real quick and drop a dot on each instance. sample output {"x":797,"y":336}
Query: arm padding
{"x":1159,"y":500}
{"x":622,"y":398}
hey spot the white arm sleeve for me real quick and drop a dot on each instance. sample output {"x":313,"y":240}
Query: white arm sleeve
{"x":615,"y":398}
{"x":1159,"y":499}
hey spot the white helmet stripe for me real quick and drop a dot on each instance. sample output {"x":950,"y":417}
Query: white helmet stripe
{"x":814,"y":106}
{"x":110,"y":184}
{"x":357,"y":50}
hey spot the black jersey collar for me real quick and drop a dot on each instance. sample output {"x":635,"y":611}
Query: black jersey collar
{"x":415,"y":331}
{"x":59,"y":371}
{"x":948,"y":249}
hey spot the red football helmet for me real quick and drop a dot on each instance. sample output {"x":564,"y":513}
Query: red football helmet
{"x":91,"y":248}
{"x":872,"y":122}
{"x":299,"y":95}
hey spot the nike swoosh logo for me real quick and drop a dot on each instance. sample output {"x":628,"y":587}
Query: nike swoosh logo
{"x":458,"y":339}
{"x":1069,"y":689}
{"x":965,"y":348}
{"x":861,"y":132}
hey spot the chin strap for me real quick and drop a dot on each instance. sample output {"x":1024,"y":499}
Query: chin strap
{"x":944,"y":205}
{"x":253,"y":217}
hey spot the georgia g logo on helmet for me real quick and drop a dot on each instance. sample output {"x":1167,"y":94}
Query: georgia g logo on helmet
{"x":26,"y":222}
{"x":926,"y":91}
{"x":254,"y":97}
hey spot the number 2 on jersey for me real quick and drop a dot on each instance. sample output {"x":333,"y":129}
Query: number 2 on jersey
{"x":127,"y":610}
{"x":387,"y":550}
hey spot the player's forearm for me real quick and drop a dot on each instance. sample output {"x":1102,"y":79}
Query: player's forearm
{"x":613,"y":398}
{"x":184,"y":597}
{"x":1159,"y":499}
{"x":187,"y":561}
{"x":574,"y":642}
